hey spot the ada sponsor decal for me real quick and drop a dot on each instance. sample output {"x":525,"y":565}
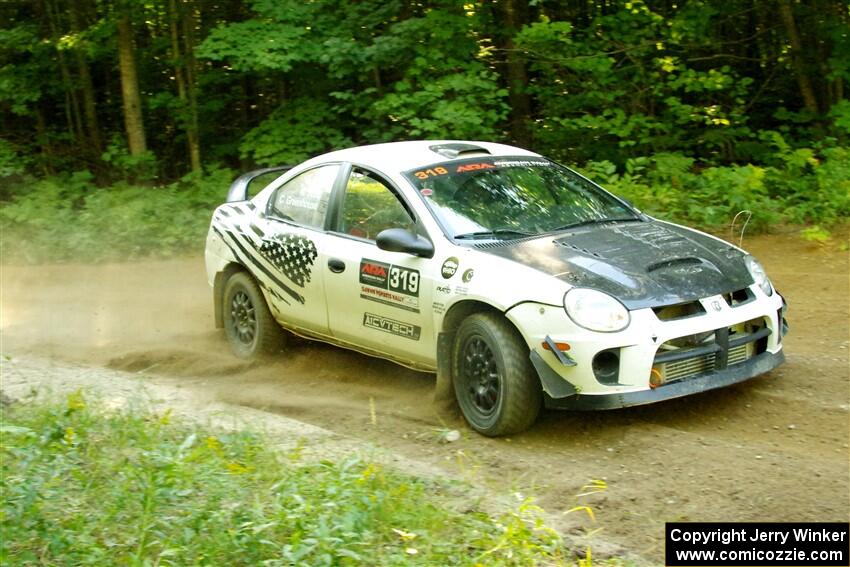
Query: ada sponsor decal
{"x":391,"y":326}
{"x":449,"y":267}
{"x":443,"y":289}
{"x":467,"y":275}
{"x":474,"y":167}
{"x":374,"y":273}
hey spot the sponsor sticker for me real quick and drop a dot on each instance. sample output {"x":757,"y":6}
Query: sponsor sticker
{"x":474,"y":167}
{"x":449,"y":267}
{"x":391,"y":326}
{"x":389,"y":284}
{"x":374,"y":273}
{"x":444,"y":289}
{"x":467,"y":275}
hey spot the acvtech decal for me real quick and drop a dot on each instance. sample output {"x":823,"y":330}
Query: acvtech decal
{"x":391,"y":326}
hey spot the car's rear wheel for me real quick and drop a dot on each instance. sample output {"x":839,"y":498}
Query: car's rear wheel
{"x":250,"y":328}
{"x":494,"y":381}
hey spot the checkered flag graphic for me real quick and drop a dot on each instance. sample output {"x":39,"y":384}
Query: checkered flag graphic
{"x":292,"y":255}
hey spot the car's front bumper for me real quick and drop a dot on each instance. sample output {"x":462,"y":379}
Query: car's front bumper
{"x":732,"y":342}
{"x":753,"y":367}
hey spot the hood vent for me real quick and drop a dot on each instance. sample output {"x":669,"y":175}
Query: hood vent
{"x":490,"y":244}
{"x":571,"y":246}
{"x":673,"y":262}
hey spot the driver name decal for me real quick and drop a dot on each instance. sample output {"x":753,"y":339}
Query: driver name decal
{"x":391,"y":326}
{"x":388,"y":284}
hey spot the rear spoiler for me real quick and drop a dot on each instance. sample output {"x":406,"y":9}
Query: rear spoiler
{"x":239,"y":189}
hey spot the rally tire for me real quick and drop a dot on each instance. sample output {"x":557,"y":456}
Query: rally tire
{"x":250,"y":328}
{"x":494,"y":382}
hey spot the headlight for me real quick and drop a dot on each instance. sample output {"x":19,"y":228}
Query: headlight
{"x":595,"y":310}
{"x":759,"y":275}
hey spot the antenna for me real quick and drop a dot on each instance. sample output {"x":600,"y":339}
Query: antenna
{"x":743,"y":228}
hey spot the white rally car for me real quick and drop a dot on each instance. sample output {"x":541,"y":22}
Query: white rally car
{"x":516,"y":279}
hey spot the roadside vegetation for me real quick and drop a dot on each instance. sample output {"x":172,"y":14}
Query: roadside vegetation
{"x":694,"y":110}
{"x":84,"y":485}
{"x":70,"y":218}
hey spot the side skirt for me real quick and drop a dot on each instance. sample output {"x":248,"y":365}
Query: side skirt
{"x":313,"y":336}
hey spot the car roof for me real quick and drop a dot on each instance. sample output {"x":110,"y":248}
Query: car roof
{"x":403,"y":156}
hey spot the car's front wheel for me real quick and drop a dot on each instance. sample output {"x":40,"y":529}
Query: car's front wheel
{"x":494,"y":381}
{"x":251,"y":330}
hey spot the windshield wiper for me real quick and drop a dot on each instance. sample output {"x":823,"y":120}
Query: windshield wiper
{"x":494,"y":232}
{"x":595,"y":221}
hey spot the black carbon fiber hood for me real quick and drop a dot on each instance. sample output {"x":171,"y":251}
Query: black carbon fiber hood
{"x":643,"y":264}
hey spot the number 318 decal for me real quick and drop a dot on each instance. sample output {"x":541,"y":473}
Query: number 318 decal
{"x":426,"y":173}
{"x":404,"y":280}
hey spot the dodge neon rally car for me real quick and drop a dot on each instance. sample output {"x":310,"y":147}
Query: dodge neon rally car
{"x":517,"y":280}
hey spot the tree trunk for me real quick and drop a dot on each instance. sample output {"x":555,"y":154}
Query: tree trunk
{"x":43,"y":140}
{"x":133,"y":121}
{"x":89,"y":100}
{"x":515,"y":73}
{"x":185,"y":76}
{"x":72,"y":106}
{"x":193,"y":131}
{"x":803,"y":80}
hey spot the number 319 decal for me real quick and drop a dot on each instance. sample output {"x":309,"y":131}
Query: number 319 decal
{"x":404,"y":280}
{"x":386,"y":276}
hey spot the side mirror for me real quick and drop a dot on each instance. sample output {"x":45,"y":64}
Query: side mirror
{"x":401,"y":240}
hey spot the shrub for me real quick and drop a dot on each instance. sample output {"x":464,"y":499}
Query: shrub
{"x":68,"y":217}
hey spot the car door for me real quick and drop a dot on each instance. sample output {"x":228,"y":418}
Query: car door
{"x":377,"y":299}
{"x":293,"y":240}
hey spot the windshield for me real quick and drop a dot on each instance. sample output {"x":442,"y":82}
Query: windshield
{"x":508,"y":197}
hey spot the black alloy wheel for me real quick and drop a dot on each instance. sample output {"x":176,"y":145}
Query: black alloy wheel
{"x":495,"y":383}
{"x":480,"y":375}
{"x":250,"y":328}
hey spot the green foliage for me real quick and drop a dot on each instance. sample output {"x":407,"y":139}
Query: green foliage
{"x":10,"y":162}
{"x":799,"y":188}
{"x":620,"y":88}
{"x":68,"y":217}
{"x":141,"y":168}
{"x":82,"y":486}
{"x":294,"y":132}
{"x":689,"y":108}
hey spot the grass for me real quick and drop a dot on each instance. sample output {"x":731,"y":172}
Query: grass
{"x":85,"y":486}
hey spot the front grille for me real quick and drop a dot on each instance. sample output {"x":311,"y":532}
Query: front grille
{"x":679,"y":311}
{"x":690,"y":367}
{"x":696,"y":355}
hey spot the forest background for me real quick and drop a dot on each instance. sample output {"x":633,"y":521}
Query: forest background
{"x":123,"y":122}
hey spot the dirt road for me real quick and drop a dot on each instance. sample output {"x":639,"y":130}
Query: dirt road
{"x":775,"y":448}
